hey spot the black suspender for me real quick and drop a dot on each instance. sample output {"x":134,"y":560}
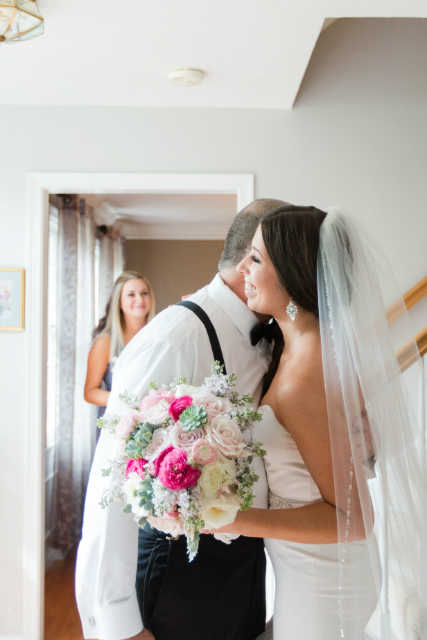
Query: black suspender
{"x":213,"y":338}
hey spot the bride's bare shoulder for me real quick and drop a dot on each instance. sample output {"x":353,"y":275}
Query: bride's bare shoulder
{"x":299,"y":390}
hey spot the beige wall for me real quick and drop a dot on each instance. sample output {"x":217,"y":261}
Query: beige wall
{"x":174,"y":268}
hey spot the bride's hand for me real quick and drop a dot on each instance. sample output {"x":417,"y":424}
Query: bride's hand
{"x":233,"y":527}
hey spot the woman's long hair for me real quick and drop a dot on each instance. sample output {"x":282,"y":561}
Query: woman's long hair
{"x":291,"y":237}
{"x":113,"y":321}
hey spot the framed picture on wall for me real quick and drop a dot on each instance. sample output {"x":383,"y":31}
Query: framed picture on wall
{"x":12,"y":294}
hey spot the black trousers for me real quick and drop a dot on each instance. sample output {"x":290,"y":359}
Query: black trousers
{"x":218,"y":596}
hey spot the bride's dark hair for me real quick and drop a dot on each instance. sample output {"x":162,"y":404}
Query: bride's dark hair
{"x":291,"y":237}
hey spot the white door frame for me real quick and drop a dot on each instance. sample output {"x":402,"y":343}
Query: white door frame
{"x":40,"y":185}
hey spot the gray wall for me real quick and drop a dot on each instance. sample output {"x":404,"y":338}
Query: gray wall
{"x":174,"y":268}
{"x":357,"y":137}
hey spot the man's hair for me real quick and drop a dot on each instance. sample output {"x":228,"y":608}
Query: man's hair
{"x":242,"y":230}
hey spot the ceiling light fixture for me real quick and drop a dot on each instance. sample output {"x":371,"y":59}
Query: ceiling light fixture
{"x":20,"y":20}
{"x":184,"y":77}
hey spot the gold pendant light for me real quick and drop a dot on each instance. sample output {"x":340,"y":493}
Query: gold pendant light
{"x":20,"y":20}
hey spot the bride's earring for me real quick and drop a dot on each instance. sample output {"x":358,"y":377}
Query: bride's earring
{"x":292,"y":310}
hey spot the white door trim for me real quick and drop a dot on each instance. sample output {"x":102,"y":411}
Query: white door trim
{"x":40,"y":185}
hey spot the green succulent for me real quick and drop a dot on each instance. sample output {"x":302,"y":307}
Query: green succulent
{"x":145,"y":493}
{"x":193,"y":417}
{"x":140,"y":439}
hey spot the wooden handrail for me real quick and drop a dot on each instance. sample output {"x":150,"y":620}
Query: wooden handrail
{"x":406,"y":356}
{"x":410,"y":298}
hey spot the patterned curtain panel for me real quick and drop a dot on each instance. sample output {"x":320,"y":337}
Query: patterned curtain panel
{"x":84,"y":414}
{"x":75,"y":419}
{"x":106,"y":271}
{"x":119,"y":254}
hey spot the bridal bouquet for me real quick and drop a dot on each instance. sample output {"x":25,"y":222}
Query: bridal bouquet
{"x":185,"y":461}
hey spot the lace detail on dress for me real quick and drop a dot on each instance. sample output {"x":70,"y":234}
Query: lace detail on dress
{"x":276,"y":502}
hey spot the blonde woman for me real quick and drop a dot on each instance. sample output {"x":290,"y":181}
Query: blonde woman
{"x":129,"y":309}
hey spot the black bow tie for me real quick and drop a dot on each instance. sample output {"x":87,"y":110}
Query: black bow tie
{"x":261,"y":331}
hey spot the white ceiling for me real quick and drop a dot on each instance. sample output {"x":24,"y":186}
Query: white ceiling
{"x":166,"y":216}
{"x":108,"y":52}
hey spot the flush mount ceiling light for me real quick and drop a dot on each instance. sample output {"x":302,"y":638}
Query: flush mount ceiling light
{"x":20,"y":20}
{"x":184,"y":77}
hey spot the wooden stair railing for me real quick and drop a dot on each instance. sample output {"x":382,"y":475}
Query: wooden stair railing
{"x":405,"y":355}
{"x":410,"y":298}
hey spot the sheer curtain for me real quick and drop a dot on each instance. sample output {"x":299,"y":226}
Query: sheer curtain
{"x":74,"y":436}
{"x":111,"y":264}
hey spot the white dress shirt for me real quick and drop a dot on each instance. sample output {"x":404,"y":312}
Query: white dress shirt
{"x":174,"y":343}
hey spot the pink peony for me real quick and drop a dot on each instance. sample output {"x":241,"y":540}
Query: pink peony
{"x":154,"y":397}
{"x":204,"y":452}
{"x":128,"y":423}
{"x":174,"y":472}
{"x":178,"y":406}
{"x":154,"y":467}
{"x":136,"y":466}
{"x":185,"y":439}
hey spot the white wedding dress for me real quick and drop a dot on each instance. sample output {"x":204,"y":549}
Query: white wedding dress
{"x":309,"y":603}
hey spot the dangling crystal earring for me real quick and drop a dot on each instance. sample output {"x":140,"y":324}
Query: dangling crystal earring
{"x":292,"y":310}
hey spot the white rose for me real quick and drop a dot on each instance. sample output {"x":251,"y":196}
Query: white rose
{"x":186,"y":390}
{"x":132,"y":484}
{"x":181,"y":439}
{"x":216,"y":475}
{"x":212,"y":404}
{"x":218,"y":512}
{"x":226,"y":435}
{"x":156,"y":414}
{"x":161,"y":439}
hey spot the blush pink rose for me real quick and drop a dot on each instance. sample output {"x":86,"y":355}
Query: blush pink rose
{"x":185,"y":439}
{"x":136,"y":466}
{"x":154,"y":397}
{"x":157,"y":413}
{"x":161,"y":439}
{"x":213,"y":405}
{"x":170,"y":525}
{"x":174,"y":472}
{"x":127,"y":424}
{"x":226,"y":436}
{"x":179,"y":405}
{"x":204,"y":452}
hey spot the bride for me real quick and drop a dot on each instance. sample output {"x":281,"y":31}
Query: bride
{"x":334,"y":417}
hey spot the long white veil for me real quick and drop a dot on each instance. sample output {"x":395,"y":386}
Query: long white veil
{"x":375,"y":439}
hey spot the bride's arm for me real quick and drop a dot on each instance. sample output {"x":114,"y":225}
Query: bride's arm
{"x":303,"y":410}
{"x":312,"y":524}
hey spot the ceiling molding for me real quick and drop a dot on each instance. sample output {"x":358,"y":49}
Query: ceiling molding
{"x":133,"y":231}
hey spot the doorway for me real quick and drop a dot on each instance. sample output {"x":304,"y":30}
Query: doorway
{"x":41,"y":186}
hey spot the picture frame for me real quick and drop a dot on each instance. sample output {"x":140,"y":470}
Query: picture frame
{"x":12,"y":299}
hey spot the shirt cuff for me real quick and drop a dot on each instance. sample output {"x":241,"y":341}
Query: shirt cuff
{"x":117,"y":621}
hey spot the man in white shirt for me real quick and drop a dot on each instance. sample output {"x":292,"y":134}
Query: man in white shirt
{"x":174,"y":344}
